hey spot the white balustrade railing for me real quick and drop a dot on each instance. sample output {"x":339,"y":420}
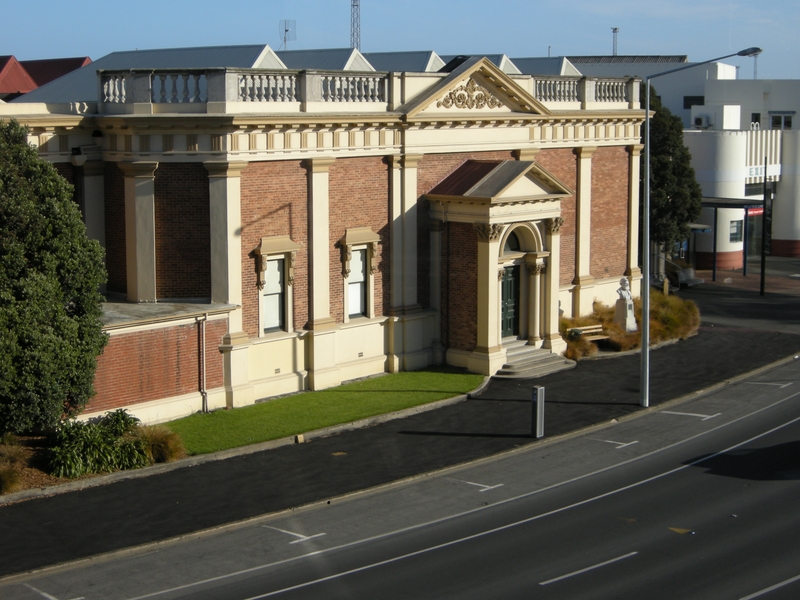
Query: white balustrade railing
{"x":353,"y":88}
{"x":268,"y":87}
{"x":610,"y":90}
{"x":178,"y":88}
{"x":556,"y":90}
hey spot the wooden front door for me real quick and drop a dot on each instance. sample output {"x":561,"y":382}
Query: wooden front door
{"x":509,"y":305}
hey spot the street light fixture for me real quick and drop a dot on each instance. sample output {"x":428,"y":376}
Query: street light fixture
{"x":645,"y":372}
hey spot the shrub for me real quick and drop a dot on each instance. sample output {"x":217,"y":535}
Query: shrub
{"x":671,"y":318}
{"x":160,"y":443}
{"x":106,"y":445}
{"x":9,"y":478}
{"x":12,"y":455}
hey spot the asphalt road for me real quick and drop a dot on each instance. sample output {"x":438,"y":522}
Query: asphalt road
{"x":696,"y":500}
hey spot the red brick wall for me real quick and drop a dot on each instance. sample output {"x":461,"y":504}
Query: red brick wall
{"x":359,"y":197}
{"x":114,"y":191}
{"x":562,"y":163}
{"x":460,"y":286}
{"x":274,"y":202}
{"x":609,"y":242}
{"x":432,"y":169}
{"x":148,"y":365}
{"x":183,"y":245}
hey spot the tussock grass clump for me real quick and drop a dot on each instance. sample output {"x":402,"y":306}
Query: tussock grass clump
{"x":10,"y":478}
{"x":671,"y":318}
{"x":160,"y":443}
{"x":12,"y":455}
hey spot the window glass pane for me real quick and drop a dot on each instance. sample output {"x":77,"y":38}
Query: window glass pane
{"x":736,"y":231}
{"x":776,"y":122}
{"x":274,"y":276}
{"x":272,"y":297}
{"x":357,"y":264}
{"x":355,"y":299}
{"x":787,"y":122}
{"x":512,"y":243}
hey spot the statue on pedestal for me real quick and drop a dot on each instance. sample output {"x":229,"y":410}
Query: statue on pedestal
{"x":623,"y":311}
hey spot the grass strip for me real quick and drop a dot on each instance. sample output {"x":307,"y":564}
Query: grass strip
{"x":307,"y":411}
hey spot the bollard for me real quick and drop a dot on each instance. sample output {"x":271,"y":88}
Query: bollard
{"x":537,"y":412}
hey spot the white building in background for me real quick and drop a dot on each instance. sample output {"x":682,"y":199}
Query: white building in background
{"x":742,"y":134}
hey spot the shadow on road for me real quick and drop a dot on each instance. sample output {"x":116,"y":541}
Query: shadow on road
{"x":773,"y":463}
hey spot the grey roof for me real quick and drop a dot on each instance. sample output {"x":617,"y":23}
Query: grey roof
{"x":499,"y":60}
{"x":81,"y":85}
{"x":549,"y":65}
{"x":334,"y":59}
{"x":628,"y":59}
{"x":500,"y":178}
{"x":409,"y":62}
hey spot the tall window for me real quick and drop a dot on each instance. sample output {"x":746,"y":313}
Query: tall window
{"x":357,"y":284}
{"x":273,"y":297}
{"x":781,"y":121}
{"x":737,"y":231}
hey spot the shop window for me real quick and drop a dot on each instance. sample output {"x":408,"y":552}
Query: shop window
{"x":359,"y":248}
{"x":275,"y":258}
{"x":737,"y":230}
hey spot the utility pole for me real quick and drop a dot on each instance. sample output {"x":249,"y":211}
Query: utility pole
{"x":355,"y":24}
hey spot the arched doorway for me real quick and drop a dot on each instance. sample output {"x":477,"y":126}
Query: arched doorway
{"x":510,"y":285}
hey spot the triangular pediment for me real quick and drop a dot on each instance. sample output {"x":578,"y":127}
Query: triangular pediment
{"x":499,"y":182}
{"x":477,"y":88}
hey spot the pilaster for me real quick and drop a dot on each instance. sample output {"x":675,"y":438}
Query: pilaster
{"x":634,"y":173}
{"x":584,"y":282}
{"x":552,"y":338}
{"x":535,"y":271}
{"x":489,"y":355}
{"x":94,"y":206}
{"x":140,"y":230}
{"x":436,"y":290}
{"x":409,"y":214}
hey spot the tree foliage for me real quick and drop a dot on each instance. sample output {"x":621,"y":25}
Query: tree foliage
{"x":675,"y":195}
{"x":50,"y":328}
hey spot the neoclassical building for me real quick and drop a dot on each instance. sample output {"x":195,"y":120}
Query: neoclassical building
{"x":269,"y":230}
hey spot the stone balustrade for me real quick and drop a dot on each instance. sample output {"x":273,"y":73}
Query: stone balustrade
{"x":221,"y":90}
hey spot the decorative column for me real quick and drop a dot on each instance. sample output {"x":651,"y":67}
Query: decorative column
{"x":436,"y":290}
{"x":140,"y":230}
{"x":634,"y":169}
{"x":535,"y":270}
{"x":409,"y":213}
{"x":489,"y":355}
{"x":552,"y":338}
{"x":322,"y":371}
{"x":225,"y":215}
{"x":584,"y":282}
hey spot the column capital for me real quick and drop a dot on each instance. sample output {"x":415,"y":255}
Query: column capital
{"x":585,"y":151}
{"x":139,"y":168}
{"x":554,"y":225}
{"x":410,"y":161}
{"x":223,"y":168}
{"x":635,"y":149}
{"x":489,"y":232}
{"x":526,"y":154}
{"x":318,"y":165}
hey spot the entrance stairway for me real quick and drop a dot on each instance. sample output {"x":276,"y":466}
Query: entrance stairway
{"x":527,"y":362}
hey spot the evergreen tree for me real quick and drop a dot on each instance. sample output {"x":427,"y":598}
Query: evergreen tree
{"x":675,"y":195}
{"x":50,"y":328}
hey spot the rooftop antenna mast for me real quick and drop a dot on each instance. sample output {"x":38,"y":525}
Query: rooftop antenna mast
{"x":287,"y":29}
{"x":355,"y":24}
{"x":615,"y":31}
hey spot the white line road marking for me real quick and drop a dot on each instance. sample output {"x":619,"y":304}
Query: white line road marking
{"x":302,"y":538}
{"x":420,"y":526}
{"x":780,"y":385}
{"x":592,"y":568}
{"x":617,"y":444}
{"x":701,"y":417}
{"x":485,"y":488}
{"x":40,"y":592}
{"x":771,"y":588}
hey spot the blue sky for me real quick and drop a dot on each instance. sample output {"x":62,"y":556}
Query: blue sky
{"x":702,"y":29}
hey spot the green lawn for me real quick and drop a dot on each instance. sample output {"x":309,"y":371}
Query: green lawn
{"x":299,"y":413}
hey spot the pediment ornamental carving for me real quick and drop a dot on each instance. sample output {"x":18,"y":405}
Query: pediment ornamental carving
{"x":469,"y":96}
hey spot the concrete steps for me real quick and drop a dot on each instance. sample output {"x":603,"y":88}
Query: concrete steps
{"x":525,"y":362}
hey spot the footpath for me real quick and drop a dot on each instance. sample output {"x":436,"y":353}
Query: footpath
{"x":740,"y":333}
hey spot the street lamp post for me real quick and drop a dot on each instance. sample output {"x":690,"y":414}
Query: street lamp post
{"x":645,"y":366}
